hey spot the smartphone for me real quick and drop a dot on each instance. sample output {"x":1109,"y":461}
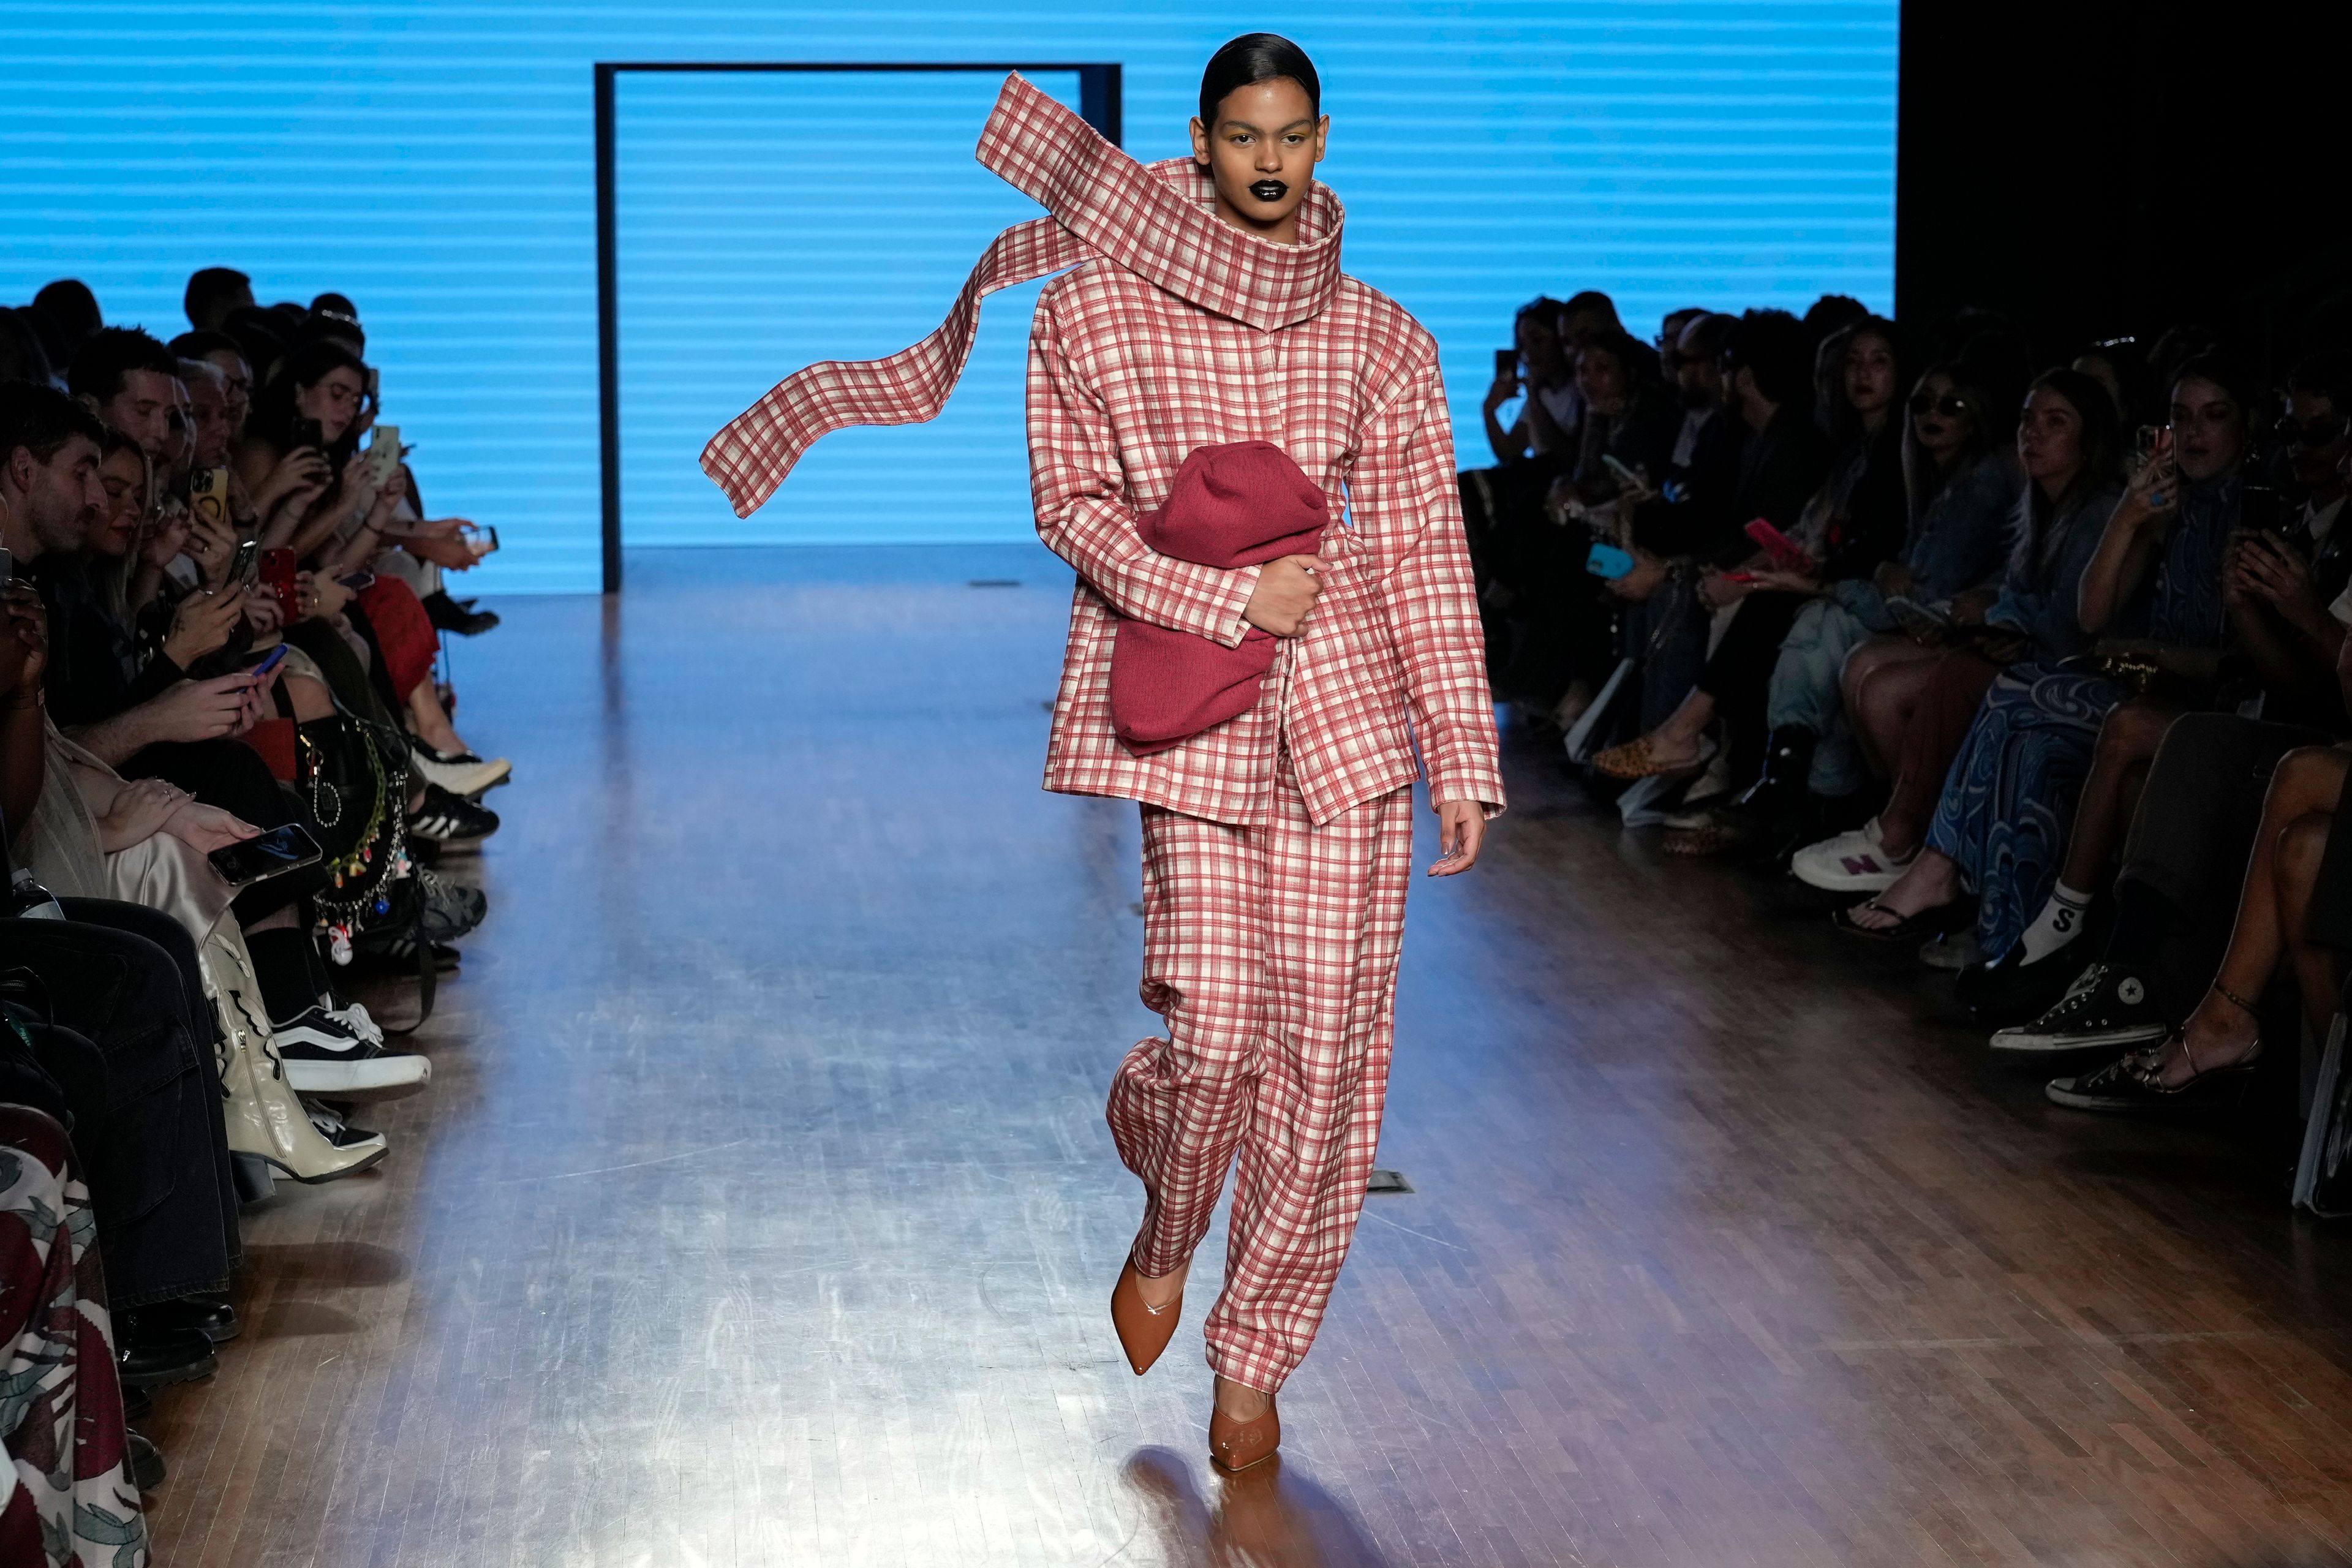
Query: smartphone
{"x":384,"y":455}
{"x":273,"y":854}
{"x":358,"y":581}
{"x":208,"y":495}
{"x":1785,"y":554}
{"x":1506,"y":363}
{"x":241,"y":564}
{"x":307,"y":432}
{"x":2258,"y":510}
{"x":270,"y":661}
{"x":484,"y":541}
{"x":278,"y":569}
{"x":1607,"y":561}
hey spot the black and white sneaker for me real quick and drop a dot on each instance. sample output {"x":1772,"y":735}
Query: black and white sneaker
{"x":451,"y":820}
{"x":323,"y":1056}
{"x":2108,"y":1006}
{"x":459,"y":772}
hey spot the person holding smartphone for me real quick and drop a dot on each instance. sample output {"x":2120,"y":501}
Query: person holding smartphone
{"x":1206,"y":306}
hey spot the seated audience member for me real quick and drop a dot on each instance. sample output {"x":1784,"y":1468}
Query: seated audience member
{"x":212,"y":293}
{"x":1853,"y":525}
{"x":1914,"y":714}
{"x":66,"y":314}
{"x":1768,"y":375}
{"x":2117,"y":364}
{"x":2295,"y":911}
{"x":1564,"y":642}
{"x":313,"y":403}
{"x":2280,"y":581}
{"x":2002,"y":824}
{"x":130,"y":382}
{"x":22,"y":356}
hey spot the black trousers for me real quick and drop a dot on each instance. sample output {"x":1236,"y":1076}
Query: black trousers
{"x":1738,"y":673}
{"x":2194,"y":832}
{"x":231,"y":775}
{"x":147,"y":1108}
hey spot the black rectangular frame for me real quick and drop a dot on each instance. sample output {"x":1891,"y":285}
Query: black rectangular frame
{"x":1099,"y":104}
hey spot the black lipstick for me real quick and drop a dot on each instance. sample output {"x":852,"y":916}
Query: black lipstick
{"x":1269,"y":190}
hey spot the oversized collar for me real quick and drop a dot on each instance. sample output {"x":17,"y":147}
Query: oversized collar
{"x":1158,"y":221}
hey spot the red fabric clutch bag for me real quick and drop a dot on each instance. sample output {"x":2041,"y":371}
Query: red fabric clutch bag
{"x":1241,"y":504}
{"x":404,"y":632}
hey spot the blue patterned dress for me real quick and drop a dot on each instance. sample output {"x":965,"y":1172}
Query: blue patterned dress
{"x":2008,"y":802}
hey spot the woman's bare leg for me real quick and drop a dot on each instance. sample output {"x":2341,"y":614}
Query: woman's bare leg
{"x":1881,"y":706}
{"x":2221,"y":1032}
{"x":2127,"y":745}
{"x":431,"y":724}
{"x":309,"y":697}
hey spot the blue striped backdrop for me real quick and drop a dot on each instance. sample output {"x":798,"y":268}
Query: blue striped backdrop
{"x":434,"y":159}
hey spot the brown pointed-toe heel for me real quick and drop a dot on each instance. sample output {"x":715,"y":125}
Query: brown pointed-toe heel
{"x":1143,"y":1331}
{"x":1237,"y":1445}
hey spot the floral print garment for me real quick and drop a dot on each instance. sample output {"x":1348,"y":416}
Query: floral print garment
{"x":69,"y":1499}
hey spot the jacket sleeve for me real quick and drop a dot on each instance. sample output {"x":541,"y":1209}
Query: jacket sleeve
{"x":1077,"y":482}
{"x":1402,"y":495}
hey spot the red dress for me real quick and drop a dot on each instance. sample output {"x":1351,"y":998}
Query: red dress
{"x":1278,"y":846}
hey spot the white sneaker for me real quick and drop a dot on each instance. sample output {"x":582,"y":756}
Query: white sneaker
{"x":373,"y":1077}
{"x":1852,"y":862}
{"x":463,"y":774}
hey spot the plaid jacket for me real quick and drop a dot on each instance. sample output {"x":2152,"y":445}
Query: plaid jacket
{"x":1176,"y":330}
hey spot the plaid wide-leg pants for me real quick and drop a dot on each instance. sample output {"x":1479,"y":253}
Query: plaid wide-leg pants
{"x":1272,"y":952}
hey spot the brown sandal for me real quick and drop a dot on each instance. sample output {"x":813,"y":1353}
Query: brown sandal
{"x":1635,"y":759}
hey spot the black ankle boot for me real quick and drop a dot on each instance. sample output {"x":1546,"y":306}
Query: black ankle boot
{"x":1771,"y":818}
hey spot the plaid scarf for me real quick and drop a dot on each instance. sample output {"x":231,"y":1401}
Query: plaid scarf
{"x":1154,"y":220}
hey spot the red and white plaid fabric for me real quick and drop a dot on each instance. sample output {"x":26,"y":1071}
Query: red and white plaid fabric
{"x":1272,"y":952}
{"x":1179,"y":330}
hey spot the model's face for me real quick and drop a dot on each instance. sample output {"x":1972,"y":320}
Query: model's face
{"x":2050,"y":440}
{"x":2208,"y":428}
{"x":123,"y":477}
{"x":1262,"y":153}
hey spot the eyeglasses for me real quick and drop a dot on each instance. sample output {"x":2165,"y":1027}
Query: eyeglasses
{"x":1951,"y":405}
{"x":2319,"y":433}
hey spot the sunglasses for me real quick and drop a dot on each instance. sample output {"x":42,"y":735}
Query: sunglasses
{"x":2323,"y":433}
{"x":1951,"y":405}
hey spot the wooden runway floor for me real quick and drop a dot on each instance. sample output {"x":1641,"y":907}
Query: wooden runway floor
{"x":761,"y":1210}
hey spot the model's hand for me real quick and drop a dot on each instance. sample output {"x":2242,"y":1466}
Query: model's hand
{"x":1461,"y":829}
{"x":1285,"y":593}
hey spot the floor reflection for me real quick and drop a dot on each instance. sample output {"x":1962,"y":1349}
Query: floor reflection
{"x":1266,"y":1516}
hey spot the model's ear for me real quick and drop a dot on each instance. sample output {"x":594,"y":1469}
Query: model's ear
{"x":1322,"y":135}
{"x":1200,"y":143}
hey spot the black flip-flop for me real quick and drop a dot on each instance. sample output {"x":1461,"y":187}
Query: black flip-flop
{"x":1916,"y":928}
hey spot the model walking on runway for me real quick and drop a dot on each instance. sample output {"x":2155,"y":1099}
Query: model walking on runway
{"x":1247,"y":455}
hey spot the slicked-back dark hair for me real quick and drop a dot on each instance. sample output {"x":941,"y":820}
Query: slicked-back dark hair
{"x":1251,"y":58}
{"x":42,"y":420}
{"x":1777,"y":351}
{"x":111,"y":354}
